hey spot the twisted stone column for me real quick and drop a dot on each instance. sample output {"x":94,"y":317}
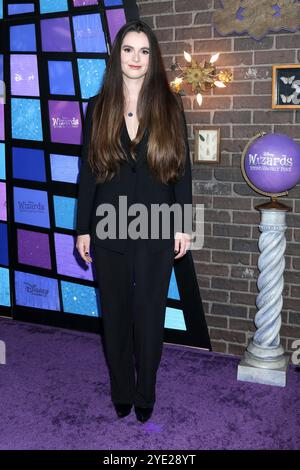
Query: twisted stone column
{"x":264,"y":360}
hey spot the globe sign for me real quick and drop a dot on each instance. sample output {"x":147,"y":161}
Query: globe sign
{"x":272,"y":163}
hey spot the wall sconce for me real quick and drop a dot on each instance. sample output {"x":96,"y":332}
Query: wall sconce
{"x":199,"y":76}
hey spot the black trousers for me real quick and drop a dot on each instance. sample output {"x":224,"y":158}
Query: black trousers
{"x":133,"y":291}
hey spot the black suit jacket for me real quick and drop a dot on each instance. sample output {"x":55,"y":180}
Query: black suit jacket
{"x":135,"y":181}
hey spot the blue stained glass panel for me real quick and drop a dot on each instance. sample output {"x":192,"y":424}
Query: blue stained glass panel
{"x":173,"y":289}
{"x":20,"y":8}
{"x":174,"y":319}
{"x":2,"y":162}
{"x":22,"y":38}
{"x":79,"y":299}
{"x":88,"y":33}
{"x":112,"y":3}
{"x":26,"y":119}
{"x":64,"y":168}
{"x":28,"y":164}
{"x":91,"y":72}
{"x":4,"y":287}
{"x":31,"y":207}
{"x":65,"y":211}
{"x":50,"y":6}
{"x":3,"y":244}
{"x":36,"y":291}
{"x":61,"y":77}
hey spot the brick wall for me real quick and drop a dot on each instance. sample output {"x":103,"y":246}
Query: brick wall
{"x":227,"y":265}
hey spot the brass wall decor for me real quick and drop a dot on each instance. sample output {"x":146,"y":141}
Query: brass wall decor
{"x":257,"y":17}
{"x":199,"y":77}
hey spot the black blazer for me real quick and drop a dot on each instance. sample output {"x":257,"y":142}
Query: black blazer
{"x":135,"y":181}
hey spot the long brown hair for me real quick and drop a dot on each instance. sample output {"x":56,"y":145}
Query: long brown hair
{"x":159,"y":109}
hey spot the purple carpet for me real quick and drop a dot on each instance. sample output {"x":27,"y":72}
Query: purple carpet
{"x":55,"y":395}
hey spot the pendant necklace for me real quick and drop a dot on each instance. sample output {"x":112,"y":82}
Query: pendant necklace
{"x":130,"y":114}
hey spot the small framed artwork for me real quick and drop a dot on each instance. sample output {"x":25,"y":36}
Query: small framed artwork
{"x":207,"y":145}
{"x":286,"y":86}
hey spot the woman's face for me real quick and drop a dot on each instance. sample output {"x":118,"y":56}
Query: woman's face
{"x":135,"y":52}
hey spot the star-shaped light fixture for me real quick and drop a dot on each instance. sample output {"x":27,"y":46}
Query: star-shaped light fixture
{"x":199,"y":76}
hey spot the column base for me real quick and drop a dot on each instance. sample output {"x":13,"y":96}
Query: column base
{"x":276,"y":377}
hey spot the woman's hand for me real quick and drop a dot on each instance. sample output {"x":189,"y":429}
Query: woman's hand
{"x":83,"y":247}
{"x":182,"y":244}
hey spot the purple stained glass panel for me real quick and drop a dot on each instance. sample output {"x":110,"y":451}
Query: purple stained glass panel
{"x":83,"y":3}
{"x":56,"y":35}
{"x":1,"y":66}
{"x":1,"y":121}
{"x":33,"y":248}
{"x":24,"y":75}
{"x":84,"y":107}
{"x":68,"y":260}
{"x":3,"y":212}
{"x":115,"y":19}
{"x":65,"y":122}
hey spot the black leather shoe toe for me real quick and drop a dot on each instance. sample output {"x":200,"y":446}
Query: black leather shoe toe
{"x":143,"y":414}
{"x":122,"y":409}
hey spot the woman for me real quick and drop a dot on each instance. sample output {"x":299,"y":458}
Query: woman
{"x":135,"y":147}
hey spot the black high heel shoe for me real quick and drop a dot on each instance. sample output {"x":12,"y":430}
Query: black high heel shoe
{"x":122,"y":409}
{"x":143,"y":414}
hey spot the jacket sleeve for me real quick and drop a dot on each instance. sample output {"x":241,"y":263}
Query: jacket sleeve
{"x":183,"y":187}
{"x":87,"y":181}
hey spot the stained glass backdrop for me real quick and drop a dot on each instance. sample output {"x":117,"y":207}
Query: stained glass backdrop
{"x":53,"y":55}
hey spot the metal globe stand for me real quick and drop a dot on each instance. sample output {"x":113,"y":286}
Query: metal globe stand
{"x":265,"y":360}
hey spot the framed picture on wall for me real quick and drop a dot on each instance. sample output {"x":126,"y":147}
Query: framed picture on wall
{"x":286,"y":86}
{"x":207,"y":144}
